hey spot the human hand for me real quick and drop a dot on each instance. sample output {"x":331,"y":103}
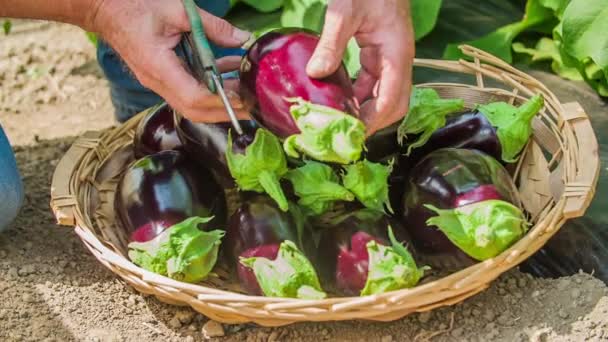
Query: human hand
{"x":383,"y":30}
{"x":145,"y":33}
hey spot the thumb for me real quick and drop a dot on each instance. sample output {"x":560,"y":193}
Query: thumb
{"x":221,"y":32}
{"x":337,"y":31}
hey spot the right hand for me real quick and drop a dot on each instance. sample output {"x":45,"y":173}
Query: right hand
{"x":145,"y":33}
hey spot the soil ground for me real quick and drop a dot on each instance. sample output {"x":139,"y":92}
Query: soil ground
{"x":52,"y":289}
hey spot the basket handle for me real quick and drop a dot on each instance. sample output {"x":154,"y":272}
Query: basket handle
{"x":63,"y":200}
{"x":580,"y":192}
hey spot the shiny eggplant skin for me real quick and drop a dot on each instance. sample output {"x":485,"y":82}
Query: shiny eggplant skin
{"x":470,"y":130}
{"x":342,"y":253}
{"x":257,"y":228}
{"x":449,"y":178}
{"x":206,"y":144}
{"x":162,"y":189}
{"x":156,"y":132}
{"x":274,"y":69}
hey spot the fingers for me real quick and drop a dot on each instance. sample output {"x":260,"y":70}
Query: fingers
{"x":338,"y":29}
{"x":167,"y":75}
{"x":222,"y":32}
{"x":228,"y":63}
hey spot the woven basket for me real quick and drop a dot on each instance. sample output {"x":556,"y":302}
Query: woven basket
{"x":556,"y":176}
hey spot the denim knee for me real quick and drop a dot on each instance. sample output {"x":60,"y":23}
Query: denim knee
{"x":11,"y":185}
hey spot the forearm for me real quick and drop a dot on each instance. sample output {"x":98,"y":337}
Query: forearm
{"x":76,"y":12}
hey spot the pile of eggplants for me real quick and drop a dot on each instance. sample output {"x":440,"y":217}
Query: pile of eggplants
{"x":322,"y":209}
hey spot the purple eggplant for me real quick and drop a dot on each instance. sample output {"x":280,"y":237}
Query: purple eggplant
{"x":462,"y":202}
{"x":156,"y":132}
{"x":163,"y":189}
{"x":274,"y":71}
{"x":498,"y":128}
{"x":207,"y":142}
{"x":270,"y":249}
{"x":359,"y":254}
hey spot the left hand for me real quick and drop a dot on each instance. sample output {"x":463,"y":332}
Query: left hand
{"x":383,"y":29}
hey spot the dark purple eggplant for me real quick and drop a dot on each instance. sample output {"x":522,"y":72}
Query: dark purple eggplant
{"x":274,"y":70}
{"x":344,"y":253}
{"x":156,"y":132}
{"x":206,"y":143}
{"x":498,"y":128}
{"x":163,"y":189}
{"x":463,"y":186}
{"x":260,"y":229}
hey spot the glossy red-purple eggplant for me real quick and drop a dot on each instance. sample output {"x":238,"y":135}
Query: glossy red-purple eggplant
{"x":274,"y":69}
{"x":165,"y":188}
{"x":206,"y":143}
{"x":256,"y":229}
{"x":343,"y":257}
{"x":450,"y":178}
{"x":156,"y":132}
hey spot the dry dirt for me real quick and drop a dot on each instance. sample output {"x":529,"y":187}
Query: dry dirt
{"x":52,"y":289}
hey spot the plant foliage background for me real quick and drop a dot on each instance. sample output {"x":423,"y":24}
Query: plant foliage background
{"x":567,"y":37}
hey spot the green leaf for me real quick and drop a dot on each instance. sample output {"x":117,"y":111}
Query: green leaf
{"x":6,"y":26}
{"x":290,"y":275}
{"x":424,"y":16}
{"x":390,"y":268}
{"x":426,"y":114}
{"x":261,"y":167}
{"x":369,"y":182}
{"x":326,"y":134}
{"x":584,"y":38}
{"x":92,"y":37}
{"x":546,"y":49}
{"x":263,"y":6}
{"x":482,"y":230}
{"x":182,"y":252}
{"x":498,"y":43}
{"x":514,"y":125}
{"x":317,"y":187}
{"x":308,"y":14}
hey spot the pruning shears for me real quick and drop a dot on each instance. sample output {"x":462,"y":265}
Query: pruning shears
{"x":203,"y":64}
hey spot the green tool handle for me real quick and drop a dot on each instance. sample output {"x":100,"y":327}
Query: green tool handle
{"x":201,"y":44}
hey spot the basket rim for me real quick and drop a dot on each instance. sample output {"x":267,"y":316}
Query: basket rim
{"x":491,"y":268}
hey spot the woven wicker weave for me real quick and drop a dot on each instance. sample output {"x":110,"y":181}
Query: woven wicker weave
{"x":556,"y":176}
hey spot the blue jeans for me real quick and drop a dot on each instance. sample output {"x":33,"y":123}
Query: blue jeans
{"x":128,"y":96}
{"x":11,"y":186}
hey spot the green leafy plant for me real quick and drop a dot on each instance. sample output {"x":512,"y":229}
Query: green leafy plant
{"x":567,"y":35}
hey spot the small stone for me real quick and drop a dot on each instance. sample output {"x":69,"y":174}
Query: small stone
{"x":578,"y":280}
{"x":424,"y":317}
{"x":73,"y":264}
{"x":175,"y":323}
{"x":476,"y":312}
{"x":28,"y":245}
{"x":563,"y":314}
{"x":535,"y":294}
{"x":504,"y":320}
{"x":184,"y":316}
{"x":443,"y":326}
{"x":132,"y":301}
{"x":324,"y":332}
{"x":522,"y":282}
{"x":502,"y":292}
{"x":489,"y":315}
{"x":28,"y":298}
{"x":213,"y":329}
{"x":512,"y":283}
{"x":521,"y":337}
{"x":189,"y":339}
{"x":12,"y":272}
{"x":192,"y":327}
{"x":387,"y":338}
{"x":576,"y":293}
{"x":519,"y":295}
{"x":458,"y":332}
{"x":490,"y":326}
{"x":26,"y":270}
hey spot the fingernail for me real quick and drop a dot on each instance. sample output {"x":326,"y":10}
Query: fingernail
{"x":240,"y":35}
{"x":318,"y":64}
